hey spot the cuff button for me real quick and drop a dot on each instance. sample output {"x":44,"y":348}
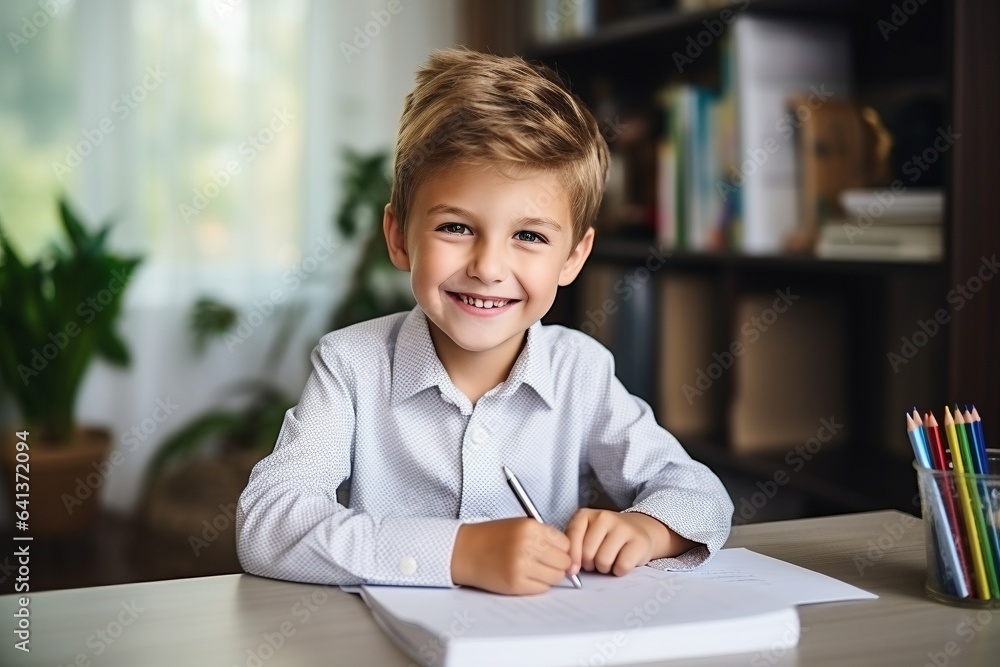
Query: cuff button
{"x":407,"y":565}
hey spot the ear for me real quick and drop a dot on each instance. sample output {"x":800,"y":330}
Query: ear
{"x":573,"y":264}
{"x":395,"y":240}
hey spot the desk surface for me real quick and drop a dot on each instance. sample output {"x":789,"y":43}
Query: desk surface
{"x":244,"y":620}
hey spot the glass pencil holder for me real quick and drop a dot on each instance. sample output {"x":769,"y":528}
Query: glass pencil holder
{"x":961,"y":516}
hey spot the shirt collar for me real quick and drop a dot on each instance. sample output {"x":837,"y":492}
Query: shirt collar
{"x":416,"y":365}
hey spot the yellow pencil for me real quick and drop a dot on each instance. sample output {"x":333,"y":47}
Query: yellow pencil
{"x":982,"y":583}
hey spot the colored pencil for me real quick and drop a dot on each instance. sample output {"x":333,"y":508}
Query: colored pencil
{"x":957,"y":526}
{"x":978,"y":566}
{"x":971,"y":463}
{"x":977,"y":445}
{"x":949,"y":564}
{"x":917,"y":442}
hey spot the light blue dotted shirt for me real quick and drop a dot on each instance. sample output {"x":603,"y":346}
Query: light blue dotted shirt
{"x":379,"y":408}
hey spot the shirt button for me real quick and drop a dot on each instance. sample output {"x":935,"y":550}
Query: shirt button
{"x":407,"y":565}
{"x":478,"y":436}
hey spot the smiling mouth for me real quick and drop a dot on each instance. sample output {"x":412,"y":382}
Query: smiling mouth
{"x":482,"y":303}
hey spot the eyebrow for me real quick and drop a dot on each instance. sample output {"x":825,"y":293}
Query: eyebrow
{"x":461,"y":212}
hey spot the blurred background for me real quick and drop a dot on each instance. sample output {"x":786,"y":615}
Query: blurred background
{"x":796,"y":245}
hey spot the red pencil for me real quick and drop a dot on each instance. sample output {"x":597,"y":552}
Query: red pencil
{"x":939,"y":457}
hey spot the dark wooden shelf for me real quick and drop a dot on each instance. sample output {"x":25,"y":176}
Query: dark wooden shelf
{"x":636,"y":251}
{"x":662,"y":24}
{"x":947,"y":49}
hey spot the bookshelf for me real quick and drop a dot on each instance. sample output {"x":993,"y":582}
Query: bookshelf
{"x":945,"y":49}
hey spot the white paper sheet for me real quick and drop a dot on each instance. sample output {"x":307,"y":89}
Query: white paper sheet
{"x":790,"y":583}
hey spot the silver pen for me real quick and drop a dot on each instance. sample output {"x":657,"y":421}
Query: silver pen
{"x":529,"y":509}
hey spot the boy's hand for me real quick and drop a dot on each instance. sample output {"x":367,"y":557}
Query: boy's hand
{"x":511,"y":556}
{"x":613,"y":542}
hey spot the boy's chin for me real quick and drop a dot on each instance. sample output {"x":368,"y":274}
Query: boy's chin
{"x":473,"y":341}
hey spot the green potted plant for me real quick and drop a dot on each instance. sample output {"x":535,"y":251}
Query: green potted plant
{"x":57,"y":315}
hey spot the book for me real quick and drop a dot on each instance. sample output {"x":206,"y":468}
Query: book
{"x":739,"y":602}
{"x":887,"y":206}
{"x":885,"y":240}
{"x":772,"y":60}
{"x":646,"y":616}
{"x":691,"y":160}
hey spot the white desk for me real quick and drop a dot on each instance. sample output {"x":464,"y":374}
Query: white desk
{"x":226,"y":620}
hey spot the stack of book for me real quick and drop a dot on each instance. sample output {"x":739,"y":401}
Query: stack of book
{"x":892,"y":224}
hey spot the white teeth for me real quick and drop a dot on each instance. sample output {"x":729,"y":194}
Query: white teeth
{"x":480,"y":303}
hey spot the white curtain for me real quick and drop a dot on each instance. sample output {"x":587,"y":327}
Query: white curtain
{"x":213,"y":132}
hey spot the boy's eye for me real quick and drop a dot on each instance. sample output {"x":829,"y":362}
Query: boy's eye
{"x":533,"y":237}
{"x":452,"y":227}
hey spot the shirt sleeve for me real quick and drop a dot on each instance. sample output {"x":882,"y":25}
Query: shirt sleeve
{"x":643,"y":468}
{"x":289,"y":524}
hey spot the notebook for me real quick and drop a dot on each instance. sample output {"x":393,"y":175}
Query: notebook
{"x":742,"y":602}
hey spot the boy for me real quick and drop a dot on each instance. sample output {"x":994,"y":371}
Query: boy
{"x":499,"y":172}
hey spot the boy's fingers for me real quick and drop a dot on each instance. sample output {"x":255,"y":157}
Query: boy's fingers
{"x":592,"y":541}
{"x":549,"y":571}
{"x":631,"y":556}
{"x":608,"y":552}
{"x":557,"y":561}
{"x":575,"y":531}
{"x":557,"y":538}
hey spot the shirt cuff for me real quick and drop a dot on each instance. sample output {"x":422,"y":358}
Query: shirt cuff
{"x":709,"y":538}
{"x":414,"y":551}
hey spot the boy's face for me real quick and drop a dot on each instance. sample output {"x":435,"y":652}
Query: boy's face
{"x":475,"y":232}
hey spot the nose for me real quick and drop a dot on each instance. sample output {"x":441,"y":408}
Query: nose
{"x":489,"y":261}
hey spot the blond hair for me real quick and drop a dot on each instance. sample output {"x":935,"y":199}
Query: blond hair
{"x":478,"y":109}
